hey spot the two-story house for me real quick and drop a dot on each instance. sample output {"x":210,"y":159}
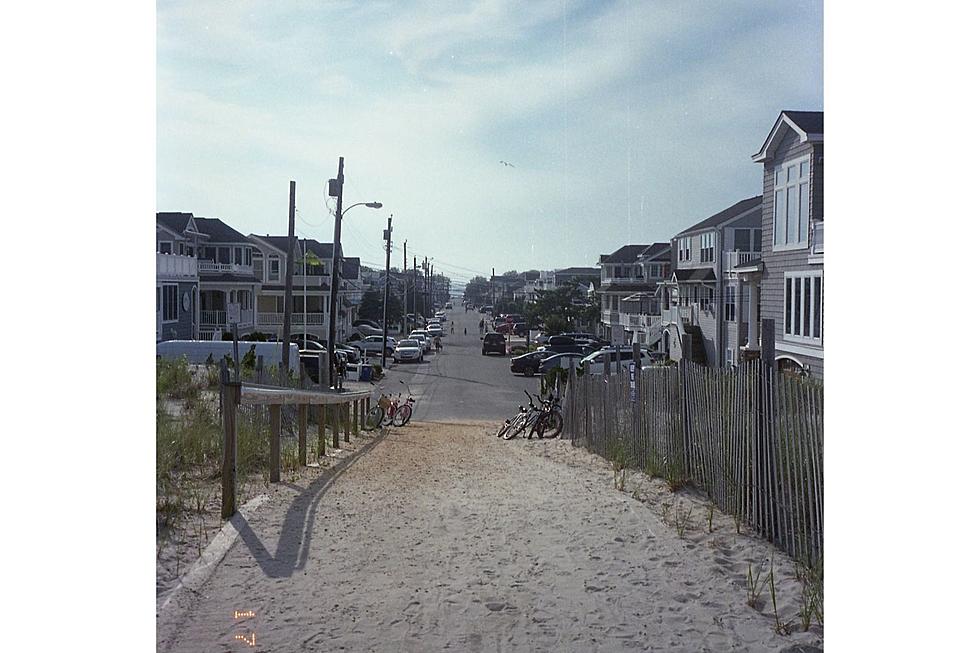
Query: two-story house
{"x":621,"y":276}
{"x":310,"y":308}
{"x":641,"y":310}
{"x":696,"y":296}
{"x":790,"y":273}
{"x":178,"y":281}
{"x":227,"y":286}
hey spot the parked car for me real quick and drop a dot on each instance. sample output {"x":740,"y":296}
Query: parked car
{"x":441,"y":316}
{"x":540,"y":339}
{"x":408,"y":350}
{"x":434,"y":330}
{"x":563,"y":344}
{"x":449,"y":305}
{"x":487,"y":309}
{"x":370,"y":323}
{"x":528,"y":364}
{"x":594,"y":363}
{"x":353,"y":353}
{"x":494,"y":342}
{"x":567,"y":361}
{"x":425,"y":338}
{"x":372,"y":345}
{"x":368,"y":330}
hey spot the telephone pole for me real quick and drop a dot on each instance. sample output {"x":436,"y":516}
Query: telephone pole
{"x":405,"y":287}
{"x":336,"y":190}
{"x":287,"y":309}
{"x":384,"y":306}
{"x":415,"y":295}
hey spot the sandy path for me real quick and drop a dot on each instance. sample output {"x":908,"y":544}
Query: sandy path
{"x":441,"y":538}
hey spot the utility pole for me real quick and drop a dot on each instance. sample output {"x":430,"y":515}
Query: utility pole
{"x":415,"y":283}
{"x":493,"y":273}
{"x":336,"y":190}
{"x":405,"y":287}
{"x":287,"y":309}
{"x":384,"y":305}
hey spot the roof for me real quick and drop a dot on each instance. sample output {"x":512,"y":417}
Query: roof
{"x":219,"y":232}
{"x":628,"y":287}
{"x":350,"y":267}
{"x":807,"y":124}
{"x":656,"y":251}
{"x":695,"y":274}
{"x":626,"y":254}
{"x":320,"y":250}
{"x":732,"y":212}
{"x":579,"y":272}
{"x":279,"y":242}
{"x":175,"y":222}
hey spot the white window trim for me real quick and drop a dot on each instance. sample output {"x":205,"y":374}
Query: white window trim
{"x":806,"y":340}
{"x":805,"y":244}
{"x":163,"y":302}
{"x":791,"y":348}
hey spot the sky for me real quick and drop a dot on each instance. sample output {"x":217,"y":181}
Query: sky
{"x":622,"y":122}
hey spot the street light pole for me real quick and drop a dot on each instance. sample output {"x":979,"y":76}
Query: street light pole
{"x":336,"y":190}
{"x":384,"y":307}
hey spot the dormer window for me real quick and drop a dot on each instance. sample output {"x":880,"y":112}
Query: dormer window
{"x":791,"y":199}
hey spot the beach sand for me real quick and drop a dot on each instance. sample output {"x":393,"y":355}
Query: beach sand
{"x":442,"y":537}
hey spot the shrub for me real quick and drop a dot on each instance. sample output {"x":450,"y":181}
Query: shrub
{"x":174,"y":379}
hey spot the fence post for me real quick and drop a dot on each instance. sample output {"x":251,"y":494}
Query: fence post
{"x":346,"y":406}
{"x":321,"y":430}
{"x":230,"y":397}
{"x":275,"y":419}
{"x":260,"y":377}
{"x":357,"y":414}
{"x":322,"y":380}
{"x":335,"y":424}
{"x":302,"y":417}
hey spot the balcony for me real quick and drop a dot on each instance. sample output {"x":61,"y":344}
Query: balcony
{"x":176,"y":266}
{"x":210,"y":267}
{"x":275,"y":319}
{"x":678,"y":315}
{"x":638,"y":320}
{"x":735,"y":258}
{"x":610,"y":317}
{"x":626,"y":280}
{"x":215,"y":320}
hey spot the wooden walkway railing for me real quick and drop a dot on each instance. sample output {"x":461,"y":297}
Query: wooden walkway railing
{"x":750,"y":438}
{"x":348,"y":408}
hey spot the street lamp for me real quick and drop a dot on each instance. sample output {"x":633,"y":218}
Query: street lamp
{"x":335,"y":274}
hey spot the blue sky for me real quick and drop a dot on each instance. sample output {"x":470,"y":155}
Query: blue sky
{"x":625,"y":121}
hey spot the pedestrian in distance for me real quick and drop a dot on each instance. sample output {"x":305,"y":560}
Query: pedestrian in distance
{"x":464,"y":331}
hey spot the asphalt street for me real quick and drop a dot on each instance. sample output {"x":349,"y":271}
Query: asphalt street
{"x":459,"y":383}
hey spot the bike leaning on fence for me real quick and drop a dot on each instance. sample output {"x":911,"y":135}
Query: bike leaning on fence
{"x":390,"y":411}
{"x":521,"y":420}
{"x":549,"y":422}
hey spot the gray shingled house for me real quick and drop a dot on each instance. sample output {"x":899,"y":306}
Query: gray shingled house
{"x":628,"y":292}
{"x":701,"y":295}
{"x":790,"y":272}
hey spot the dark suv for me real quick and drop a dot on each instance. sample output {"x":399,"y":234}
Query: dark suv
{"x":494,"y":342}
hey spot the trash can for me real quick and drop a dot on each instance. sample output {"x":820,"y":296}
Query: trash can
{"x":366,"y":373}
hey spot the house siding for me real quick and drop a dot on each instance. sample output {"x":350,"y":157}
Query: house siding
{"x":778,"y":263}
{"x":183,"y":328}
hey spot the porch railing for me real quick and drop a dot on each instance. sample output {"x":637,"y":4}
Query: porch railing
{"x":275,"y":319}
{"x":213,"y":319}
{"x":735,"y":258}
{"x":234,"y":268}
{"x":176,"y":265}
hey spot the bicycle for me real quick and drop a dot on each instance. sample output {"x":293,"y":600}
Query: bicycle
{"x":390,"y":411}
{"x":516,"y":424}
{"x":550,"y":422}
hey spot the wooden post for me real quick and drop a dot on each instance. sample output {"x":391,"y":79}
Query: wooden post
{"x":363,"y":403}
{"x":357,"y":415}
{"x":321,"y":428}
{"x":346,"y":409}
{"x":261,"y":369}
{"x":303,"y":418}
{"x":321,"y":371}
{"x":335,"y":425}
{"x":230,"y":397}
{"x":275,"y":418}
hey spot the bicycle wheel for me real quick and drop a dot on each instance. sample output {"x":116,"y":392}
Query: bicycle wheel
{"x":550,"y":425}
{"x":521,"y":425}
{"x":402,"y":415}
{"x":388,"y":417}
{"x":374,"y":417}
{"x":508,"y":423}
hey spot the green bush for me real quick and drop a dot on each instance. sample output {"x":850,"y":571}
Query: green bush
{"x":174,"y":379}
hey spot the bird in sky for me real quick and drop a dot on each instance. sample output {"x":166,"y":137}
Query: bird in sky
{"x":508,"y":164}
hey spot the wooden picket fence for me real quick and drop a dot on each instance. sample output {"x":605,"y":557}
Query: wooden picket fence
{"x":750,"y":438}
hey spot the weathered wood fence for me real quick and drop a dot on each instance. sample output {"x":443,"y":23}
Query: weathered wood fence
{"x":750,"y":438}
{"x":281,"y":400}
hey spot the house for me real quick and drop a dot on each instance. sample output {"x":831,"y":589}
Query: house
{"x":178,"y":281}
{"x":788,"y":278}
{"x":696,"y":322}
{"x":227,"y":284}
{"x":312,"y":262}
{"x":641,"y":310}
{"x":350,"y":296}
{"x":583,"y":275}
{"x":621,"y":276}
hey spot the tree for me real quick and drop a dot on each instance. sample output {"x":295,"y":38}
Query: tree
{"x":477,"y":290}
{"x":372,"y":307}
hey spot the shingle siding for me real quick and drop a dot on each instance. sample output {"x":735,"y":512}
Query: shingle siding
{"x":778,"y":263}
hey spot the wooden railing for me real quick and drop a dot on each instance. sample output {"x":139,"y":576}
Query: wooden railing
{"x":275,"y":319}
{"x":234,"y":268}
{"x":737,"y":258}
{"x":176,"y":265}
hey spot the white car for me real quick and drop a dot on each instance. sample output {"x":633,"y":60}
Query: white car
{"x":595,"y":364}
{"x":434,"y":330}
{"x":372,"y":345}
{"x":408,"y":350}
{"x":425,"y":339}
{"x":441,"y":315}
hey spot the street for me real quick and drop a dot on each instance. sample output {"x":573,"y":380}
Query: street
{"x":459,"y":383}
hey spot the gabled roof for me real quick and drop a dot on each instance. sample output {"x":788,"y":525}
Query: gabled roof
{"x":737,"y":210}
{"x":625,"y":254}
{"x":278,"y":242}
{"x":656,"y":251}
{"x":219,"y":232}
{"x":320,"y":250}
{"x":350,"y":267}
{"x":808,"y":124}
{"x":175,"y":222}
{"x":579,"y":272}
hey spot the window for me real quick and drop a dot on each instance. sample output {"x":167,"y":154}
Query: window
{"x":273,"y":268}
{"x":684,"y":249}
{"x":638,"y":271}
{"x":170,"y":303}
{"x":803,"y":307}
{"x":708,"y":247}
{"x":248,"y":256}
{"x":791,"y":195}
{"x":238,"y":256}
{"x":224,"y":255}
{"x":748,"y":240}
{"x":257,"y":262}
{"x":165,"y":247}
{"x":729,"y":303}
{"x":210,"y":254}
